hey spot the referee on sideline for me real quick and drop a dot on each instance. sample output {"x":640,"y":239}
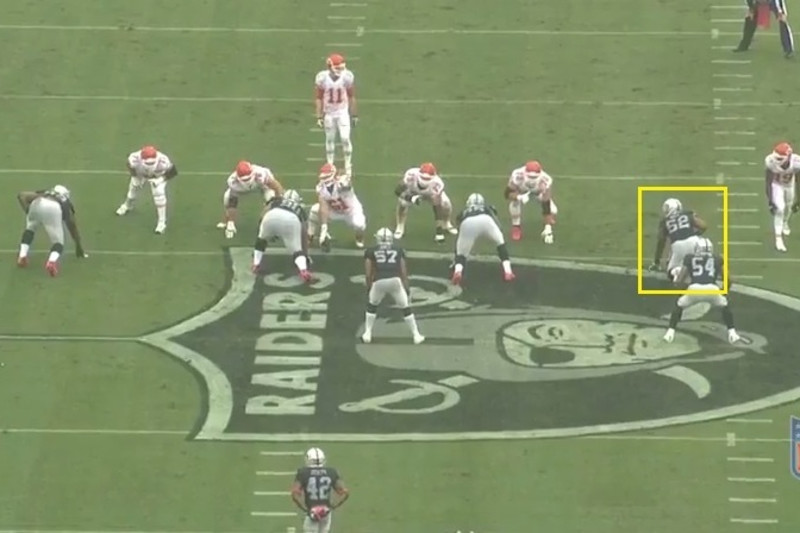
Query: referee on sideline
{"x":758,"y":15}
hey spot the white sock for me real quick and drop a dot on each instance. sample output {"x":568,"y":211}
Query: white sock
{"x":258,"y":255}
{"x":161,"y":210}
{"x":369,"y":322}
{"x":777,"y":223}
{"x":301,"y":262}
{"x":515,"y":210}
{"x":506,"y":266}
{"x":53,"y":257}
{"x":548,"y":228}
{"x":24,"y":249}
{"x":459,"y":268}
{"x":330,"y":151}
{"x":411,"y":322}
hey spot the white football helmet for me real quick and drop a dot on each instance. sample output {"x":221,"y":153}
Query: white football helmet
{"x":475,"y":199}
{"x":671,"y":206}
{"x":384,"y":236}
{"x":315,"y":457}
{"x":60,"y":190}
{"x":292,"y":196}
{"x":703,"y":246}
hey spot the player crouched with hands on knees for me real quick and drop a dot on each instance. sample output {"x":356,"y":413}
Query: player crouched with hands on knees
{"x":424,"y":183}
{"x":148,"y":165}
{"x":51,"y":209}
{"x":701,"y":270}
{"x":524,"y":182}
{"x":336,"y":200}
{"x":285,"y":219}
{"x":245,"y":179}
{"x":682,"y":228}
{"x":386,"y":274}
{"x":479,"y":220}
{"x":313,"y":490}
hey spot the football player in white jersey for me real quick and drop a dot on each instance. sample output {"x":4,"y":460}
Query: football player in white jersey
{"x":247,"y":178}
{"x":336,"y":108}
{"x":148,"y":165}
{"x":418,"y":184}
{"x":336,"y":200}
{"x":531,"y":180}
{"x":782,"y":167}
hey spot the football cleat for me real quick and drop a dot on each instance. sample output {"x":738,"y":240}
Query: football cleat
{"x":509,"y":276}
{"x":419,"y":339}
{"x":123,"y":209}
{"x":22,"y":262}
{"x":161,"y":227}
{"x":220,"y":225}
{"x":516,"y":233}
{"x":786,"y":229}
{"x":669,"y":336}
{"x":399,"y":232}
{"x":52,"y":268}
{"x":779,"y":245}
{"x":305,"y":275}
{"x":366,"y":338}
{"x":456,"y":278}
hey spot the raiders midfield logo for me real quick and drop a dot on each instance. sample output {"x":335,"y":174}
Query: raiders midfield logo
{"x":567,"y":349}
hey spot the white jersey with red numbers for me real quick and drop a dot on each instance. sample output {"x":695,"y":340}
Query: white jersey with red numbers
{"x":416,"y":185}
{"x":335,"y":93}
{"x":148,"y":172}
{"x":783,"y":173}
{"x":339,"y":195}
{"x":523,"y":183}
{"x":261,"y":180}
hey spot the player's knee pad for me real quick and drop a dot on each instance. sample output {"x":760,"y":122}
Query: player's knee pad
{"x":371,"y":308}
{"x":502,"y":252}
{"x":313,"y":214}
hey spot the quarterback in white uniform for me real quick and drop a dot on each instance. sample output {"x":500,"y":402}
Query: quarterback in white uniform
{"x":336,"y":108}
{"x":782,"y":167}
{"x":148,"y":165}
{"x":527,"y":181}
{"x":423,"y":183}
{"x":246,"y":179}
{"x":479,"y":220}
{"x":336,"y":200}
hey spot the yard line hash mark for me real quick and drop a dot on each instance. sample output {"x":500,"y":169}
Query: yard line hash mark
{"x":751,"y":479}
{"x":751,"y":459}
{"x":271,"y":493}
{"x":753,"y":500}
{"x":749,"y":420}
{"x":274,"y":473}
{"x":754,"y":520}
{"x":274,"y":514}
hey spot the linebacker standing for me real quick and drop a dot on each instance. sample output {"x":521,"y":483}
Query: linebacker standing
{"x":386,"y":275}
{"x":53,"y":210}
{"x":752,"y":20}
{"x":479,"y":220}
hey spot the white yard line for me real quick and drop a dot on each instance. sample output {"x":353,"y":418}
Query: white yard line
{"x":275,"y":473}
{"x":282,"y":453}
{"x":751,"y":479}
{"x":750,"y":421}
{"x":272,"y":514}
{"x":271,"y":493}
{"x":751,"y":460}
{"x":221,"y":174}
{"x":753,"y":500}
{"x":754,"y":520}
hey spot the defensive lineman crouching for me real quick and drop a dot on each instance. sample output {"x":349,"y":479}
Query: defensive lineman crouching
{"x":148,"y":165}
{"x":284,"y":219}
{"x":386,"y":275}
{"x":701,"y":271}
{"x":424,"y":183}
{"x":51,"y":209}
{"x":479,"y":220}
{"x":245,"y":179}
{"x":524,"y":182}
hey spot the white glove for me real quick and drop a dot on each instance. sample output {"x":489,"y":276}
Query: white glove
{"x":320,"y":123}
{"x":230,"y":230}
{"x":323,"y":233}
{"x":524,"y":198}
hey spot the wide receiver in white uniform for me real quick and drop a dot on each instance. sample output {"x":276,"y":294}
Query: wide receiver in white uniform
{"x":423,"y":183}
{"x":148,"y":165}
{"x":246,"y":179}
{"x":336,"y":200}
{"x":527,"y":181}
{"x":479,"y":220}
{"x":782,"y":167}
{"x":335,"y":106}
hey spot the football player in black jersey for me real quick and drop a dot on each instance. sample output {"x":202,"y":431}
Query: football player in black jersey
{"x":313,"y":490}
{"x":51,"y":209}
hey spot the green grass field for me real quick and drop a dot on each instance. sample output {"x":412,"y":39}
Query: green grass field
{"x":159,"y":387}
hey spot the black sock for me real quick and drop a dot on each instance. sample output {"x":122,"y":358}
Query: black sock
{"x":675,"y":317}
{"x":727,"y":317}
{"x":27,"y":237}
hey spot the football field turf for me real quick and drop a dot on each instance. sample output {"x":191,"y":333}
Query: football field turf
{"x":159,"y":387}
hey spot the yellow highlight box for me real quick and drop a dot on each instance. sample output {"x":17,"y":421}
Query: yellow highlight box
{"x":640,"y":240}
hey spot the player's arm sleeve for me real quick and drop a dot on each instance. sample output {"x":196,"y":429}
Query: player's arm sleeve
{"x":661,"y":243}
{"x":171,"y":172}
{"x":768,"y":184}
{"x":400,"y":189}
